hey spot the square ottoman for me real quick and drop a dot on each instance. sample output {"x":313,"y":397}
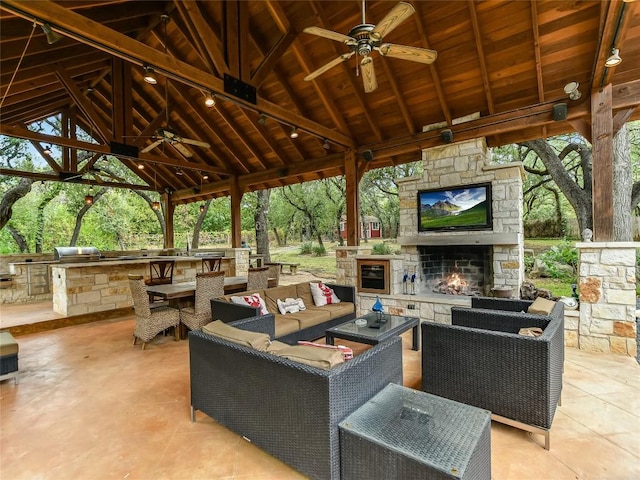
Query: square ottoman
{"x":403,"y":433}
{"x":8,"y":357}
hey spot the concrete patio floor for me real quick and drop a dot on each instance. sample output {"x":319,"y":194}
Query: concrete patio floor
{"x":89,"y":404}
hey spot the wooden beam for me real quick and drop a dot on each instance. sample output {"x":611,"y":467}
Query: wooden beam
{"x":47,"y":177}
{"x":602,"y":160}
{"x":231,"y":37}
{"x":270,"y":60}
{"x":620,"y":118}
{"x":477,"y":34}
{"x":85,"y":30}
{"x":236,"y":213}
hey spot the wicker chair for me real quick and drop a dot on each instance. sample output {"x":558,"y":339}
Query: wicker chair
{"x":481,"y":360}
{"x":258,"y":278}
{"x":208,"y":285}
{"x":150,"y":321}
{"x":160,"y":273}
{"x":274,"y":274}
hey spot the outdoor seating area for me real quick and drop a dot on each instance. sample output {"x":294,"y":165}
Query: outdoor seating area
{"x":143,"y":417}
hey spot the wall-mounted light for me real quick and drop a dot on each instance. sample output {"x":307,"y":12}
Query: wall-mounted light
{"x":571,"y":89}
{"x":47,"y":150}
{"x":294,"y":132}
{"x":52,"y":37}
{"x":150,"y":75}
{"x":209,"y":100}
{"x":614,"y":59}
{"x":202,"y":208}
{"x":88,"y":199}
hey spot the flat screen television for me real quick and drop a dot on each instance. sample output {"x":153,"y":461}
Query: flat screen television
{"x":466,"y":207}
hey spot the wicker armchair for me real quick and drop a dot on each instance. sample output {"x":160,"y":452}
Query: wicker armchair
{"x":257,"y":278}
{"x":481,"y":360}
{"x":150,"y":321}
{"x":208,"y":285}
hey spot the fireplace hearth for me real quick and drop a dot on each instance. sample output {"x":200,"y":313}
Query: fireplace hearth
{"x":456,"y":270}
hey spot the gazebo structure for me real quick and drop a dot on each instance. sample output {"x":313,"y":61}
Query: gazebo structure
{"x":513,"y":70}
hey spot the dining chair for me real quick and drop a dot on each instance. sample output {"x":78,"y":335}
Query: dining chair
{"x":211,"y":264}
{"x":160,"y":273}
{"x":150,"y":321}
{"x":274,"y":274}
{"x":258,"y":278}
{"x":208,"y":285}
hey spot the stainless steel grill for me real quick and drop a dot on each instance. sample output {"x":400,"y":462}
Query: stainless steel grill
{"x":76,"y":254}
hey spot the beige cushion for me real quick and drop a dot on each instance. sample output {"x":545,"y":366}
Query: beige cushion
{"x":285,"y":325}
{"x":276,"y":346}
{"x":8,"y":344}
{"x":315,"y":357}
{"x":255,"y":340}
{"x":303,"y":291}
{"x":541,"y":306}
{"x":310,"y":317}
{"x":339,"y":309}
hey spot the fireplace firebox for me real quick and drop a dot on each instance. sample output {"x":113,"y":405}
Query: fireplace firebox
{"x":456,"y":270}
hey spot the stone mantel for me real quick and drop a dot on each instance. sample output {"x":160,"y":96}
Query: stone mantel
{"x":463,"y":238}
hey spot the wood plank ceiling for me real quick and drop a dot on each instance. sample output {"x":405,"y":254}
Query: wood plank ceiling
{"x":505,"y":62}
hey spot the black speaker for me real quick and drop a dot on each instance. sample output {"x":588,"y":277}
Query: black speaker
{"x":560,"y":112}
{"x":447,"y":136}
{"x":240,"y":89}
{"x":123,"y":149}
{"x":367,"y":155}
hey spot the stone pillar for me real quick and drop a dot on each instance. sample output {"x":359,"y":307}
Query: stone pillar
{"x":607,"y":272}
{"x":346,"y":265}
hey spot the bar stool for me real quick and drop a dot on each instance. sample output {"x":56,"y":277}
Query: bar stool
{"x":211,"y":264}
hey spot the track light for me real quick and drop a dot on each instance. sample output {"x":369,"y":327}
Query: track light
{"x":179,"y":171}
{"x":262,"y":119}
{"x":326,"y":145}
{"x":52,"y":37}
{"x":205,"y":176}
{"x":88,"y":199}
{"x":202,"y":208}
{"x":614,"y":59}
{"x":150,"y":75}
{"x":140,"y":166}
{"x":209,"y":100}
{"x":155,"y":205}
{"x":571,"y":89}
{"x":294,"y":132}
{"x":47,"y":150}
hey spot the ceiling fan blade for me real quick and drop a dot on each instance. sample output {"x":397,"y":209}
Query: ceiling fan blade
{"x":405,"y":52}
{"x":395,"y":17}
{"x":197,"y":143}
{"x":151,"y":146}
{"x":368,"y":75}
{"x":330,"y":34}
{"x":182,"y":149}
{"x":330,"y":65}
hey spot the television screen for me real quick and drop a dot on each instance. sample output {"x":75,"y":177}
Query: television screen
{"x":466,"y":207}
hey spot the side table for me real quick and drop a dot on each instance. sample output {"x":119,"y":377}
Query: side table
{"x":403,"y":433}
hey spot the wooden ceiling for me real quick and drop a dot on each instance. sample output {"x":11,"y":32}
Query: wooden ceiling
{"x":501,"y":65}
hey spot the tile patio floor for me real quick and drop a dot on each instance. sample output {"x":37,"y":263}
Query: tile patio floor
{"x":89,"y":405}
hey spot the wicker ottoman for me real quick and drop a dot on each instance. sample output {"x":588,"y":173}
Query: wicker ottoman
{"x":405,"y":434}
{"x":8,"y":357}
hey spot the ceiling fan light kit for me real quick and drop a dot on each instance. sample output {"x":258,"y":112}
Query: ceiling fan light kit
{"x":363,"y":39}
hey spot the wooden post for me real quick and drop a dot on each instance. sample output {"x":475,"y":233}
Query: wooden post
{"x":352,"y":200}
{"x":169,"y":207}
{"x":602,"y":161}
{"x":236,"y":217}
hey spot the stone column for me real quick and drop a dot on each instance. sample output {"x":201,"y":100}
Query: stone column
{"x":346,"y":264}
{"x":607,"y":272}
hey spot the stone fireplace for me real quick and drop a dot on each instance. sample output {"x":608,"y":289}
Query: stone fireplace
{"x":455,"y":271}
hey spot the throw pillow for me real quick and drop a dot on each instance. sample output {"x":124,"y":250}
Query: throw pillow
{"x":541,"y":306}
{"x":347,"y":353}
{"x":314,"y":357}
{"x":255,"y":340}
{"x":323,"y":295}
{"x":254,"y":300}
{"x":290,"y":305}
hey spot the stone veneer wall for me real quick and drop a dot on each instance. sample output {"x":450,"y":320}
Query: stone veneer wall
{"x":607,"y":298}
{"x":463,"y":164}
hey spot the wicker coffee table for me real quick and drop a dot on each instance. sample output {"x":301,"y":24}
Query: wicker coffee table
{"x":375,"y":328}
{"x":408,"y":434}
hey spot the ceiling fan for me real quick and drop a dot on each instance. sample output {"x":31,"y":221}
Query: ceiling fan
{"x":167,"y":134}
{"x":365,"y":38}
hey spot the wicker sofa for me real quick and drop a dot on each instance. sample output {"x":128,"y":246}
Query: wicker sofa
{"x":289,"y":409}
{"x":481,"y":360}
{"x":308,"y":324}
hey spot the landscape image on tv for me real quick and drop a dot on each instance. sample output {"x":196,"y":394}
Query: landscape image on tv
{"x":466,"y":207}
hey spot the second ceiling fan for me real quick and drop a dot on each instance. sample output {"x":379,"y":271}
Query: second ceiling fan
{"x":363,"y":39}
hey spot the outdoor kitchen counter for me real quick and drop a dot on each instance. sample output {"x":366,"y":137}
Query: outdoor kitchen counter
{"x":87,"y":287}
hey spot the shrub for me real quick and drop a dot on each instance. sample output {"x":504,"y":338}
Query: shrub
{"x":306,"y":248}
{"x":381,"y":249}
{"x":563,"y":254}
{"x":319,"y":251}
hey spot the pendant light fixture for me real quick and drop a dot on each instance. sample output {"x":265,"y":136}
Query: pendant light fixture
{"x":88,"y":199}
{"x":202,"y":208}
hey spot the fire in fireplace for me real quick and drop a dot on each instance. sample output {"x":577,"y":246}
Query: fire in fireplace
{"x":456,"y":270}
